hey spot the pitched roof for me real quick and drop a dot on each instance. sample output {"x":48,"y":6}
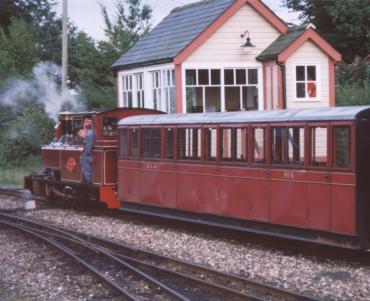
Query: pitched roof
{"x":173,"y":34}
{"x":281,"y":43}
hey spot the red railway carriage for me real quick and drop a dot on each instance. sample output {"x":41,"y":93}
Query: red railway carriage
{"x":302,"y":174}
{"x":61,"y":175}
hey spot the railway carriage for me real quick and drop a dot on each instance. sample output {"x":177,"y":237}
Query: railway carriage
{"x":298,"y":173}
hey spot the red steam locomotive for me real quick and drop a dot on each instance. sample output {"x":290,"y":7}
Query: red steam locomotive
{"x":299,"y":173}
{"x":61,"y":173}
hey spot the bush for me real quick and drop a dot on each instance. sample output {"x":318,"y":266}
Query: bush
{"x":352,"y":95}
{"x":24,"y":134}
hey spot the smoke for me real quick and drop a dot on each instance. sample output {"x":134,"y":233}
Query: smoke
{"x":41,"y":86}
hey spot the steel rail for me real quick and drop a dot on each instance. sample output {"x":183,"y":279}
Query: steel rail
{"x":198,"y":269}
{"x":91,"y":247}
{"x":116,"y":257}
{"x":72,"y":255}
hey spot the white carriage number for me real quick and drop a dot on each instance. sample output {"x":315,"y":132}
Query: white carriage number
{"x":151,"y":165}
{"x":289,"y":175}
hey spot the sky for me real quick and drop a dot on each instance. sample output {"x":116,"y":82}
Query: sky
{"x":87,"y":16}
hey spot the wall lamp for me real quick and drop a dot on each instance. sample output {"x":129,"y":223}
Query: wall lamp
{"x":247,"y":47}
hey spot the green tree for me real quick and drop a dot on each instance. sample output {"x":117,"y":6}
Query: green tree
{"x":132,"y":20}
{"x":90,"y":61}
{"x":89,"y":71}
{"x":344,"y":23}
{"x":28,"y":128}
{"x":18,"y":50}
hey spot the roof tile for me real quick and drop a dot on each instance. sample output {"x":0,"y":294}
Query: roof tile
{"x":173,"y":34}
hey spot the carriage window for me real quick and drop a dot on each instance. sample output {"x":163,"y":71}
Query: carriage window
{"x":234,"y":144}
{"x":170,"y":143}
{"x":279,"y":145}
{"x":189,"y":144}
{"x":123,"y":143}
{"x":109,"y":127}
{"x":211,"y":142}
{"x":151,"y":143}
{"x":296,"y":145}
{"x":319,"y":146}
{"x":342,"y":146}
{"x":134,"y":143}
{"x":259,"y":145}
{"x":287,"y":145}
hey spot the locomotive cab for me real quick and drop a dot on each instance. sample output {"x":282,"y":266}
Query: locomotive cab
{"x":61,"y":174}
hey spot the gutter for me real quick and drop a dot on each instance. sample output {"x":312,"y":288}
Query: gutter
{"x":283,"y":69}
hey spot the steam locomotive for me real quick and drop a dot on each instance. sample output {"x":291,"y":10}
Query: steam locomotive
{"x":302,"y":174}
{"x":61,"y":176}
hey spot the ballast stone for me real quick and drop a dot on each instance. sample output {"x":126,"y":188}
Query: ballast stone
{"x":30,"y":205}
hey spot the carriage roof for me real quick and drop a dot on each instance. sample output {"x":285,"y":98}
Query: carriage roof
{"x":291,"y":115}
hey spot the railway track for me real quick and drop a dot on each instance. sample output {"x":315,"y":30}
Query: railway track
{"x":125,"y":268}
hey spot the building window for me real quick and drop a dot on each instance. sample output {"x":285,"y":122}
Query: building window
{"x":306,"y":82}
{"x":204,"y":89}
{"x":234,"y":144}
{"x":157,"y":90}
{"x":163,"y":85}
{"x":342,"y":146}
{"x":151,"y":143}
{"x":241,"y":89}
{"x":319,"y":146}
{"x":140,"y":95}
{"x":189,"y":144}
{"x":169,"y":101}
{"x":127,"y":91}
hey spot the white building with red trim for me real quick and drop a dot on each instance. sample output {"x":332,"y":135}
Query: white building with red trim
{"x":197,"y":60}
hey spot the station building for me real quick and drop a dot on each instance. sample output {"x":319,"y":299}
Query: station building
{"x":227,"y":55}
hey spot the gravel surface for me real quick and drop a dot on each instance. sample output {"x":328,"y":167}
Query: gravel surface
{"x":330,"y":280}
{"x":10,"y":202}
{"x":32,"y":271}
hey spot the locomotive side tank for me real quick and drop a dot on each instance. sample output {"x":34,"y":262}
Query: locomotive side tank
{"x":300,"y":173}
{"x":61,"y":175}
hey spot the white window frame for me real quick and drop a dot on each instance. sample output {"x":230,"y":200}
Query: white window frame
{"x":318,"y":81}
{"x":197,"y":85}
{"x":127,"y":85}
{"x":157,"y":89}
{"x":139,"y":91}
{"x":147,"y":71}
{"x":222,"y":69}
{"x":168,"y":87}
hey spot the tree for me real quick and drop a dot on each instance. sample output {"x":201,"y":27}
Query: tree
{"x":28,"y":10}
{"x":90,"y":61}
{"x":29,"y":128}
{"x":344,"y":23}
{"x":90,"y":73}
{"x":18,"y":50}
{"x":126,"y":28}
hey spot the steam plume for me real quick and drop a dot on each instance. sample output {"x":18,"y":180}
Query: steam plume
{"x":42,"y":87}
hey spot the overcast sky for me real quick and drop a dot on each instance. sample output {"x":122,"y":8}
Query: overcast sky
{"x":87,"y":16}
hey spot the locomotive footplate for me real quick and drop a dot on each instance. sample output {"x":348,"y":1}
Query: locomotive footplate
{"x":72,"y":193}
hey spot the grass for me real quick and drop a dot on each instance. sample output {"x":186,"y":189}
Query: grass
{"x":14,"y":175}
